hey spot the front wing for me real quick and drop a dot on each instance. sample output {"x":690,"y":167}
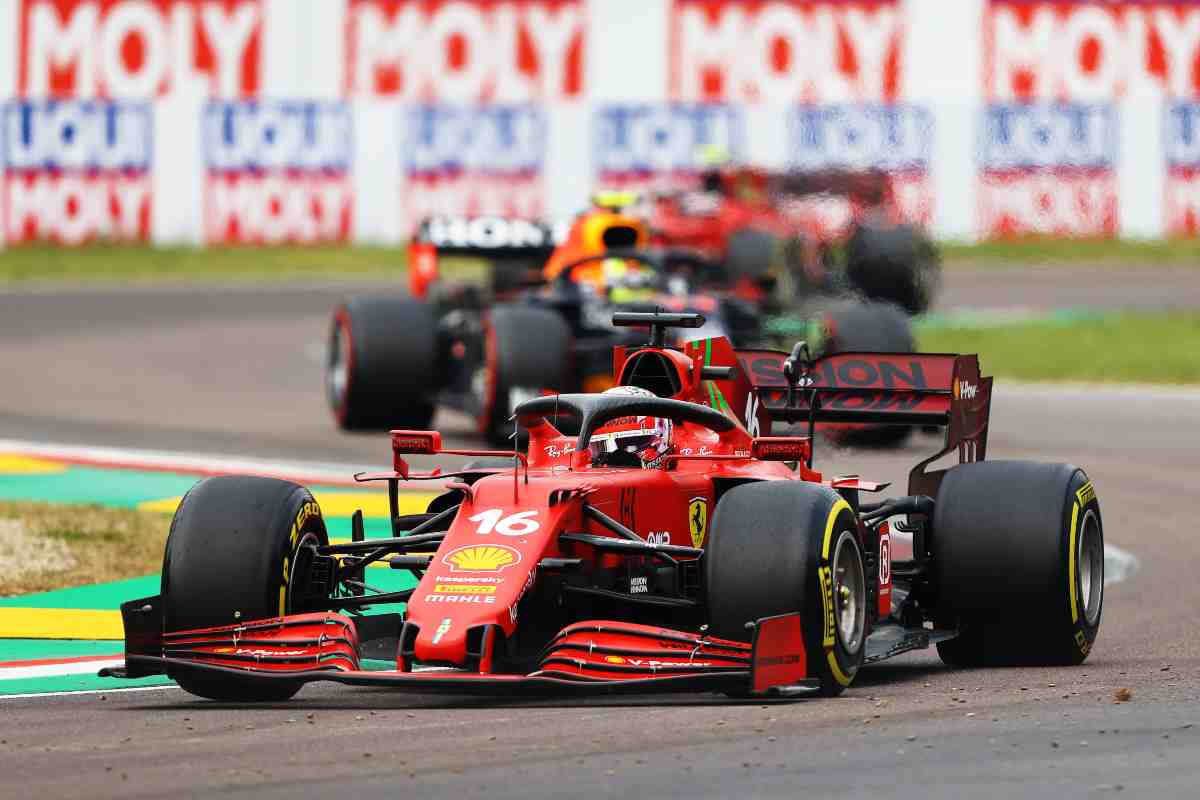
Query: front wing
{"x":587,"y":658}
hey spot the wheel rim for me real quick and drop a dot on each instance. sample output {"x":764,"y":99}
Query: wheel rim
{"x":337,"y":375}
{"x":1089,"y":556}
{"x":849,"y":593}
{"x":308,"y":540}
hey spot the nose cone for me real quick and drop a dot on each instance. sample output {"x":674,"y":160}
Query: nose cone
{"x":467,"y":586}
{"x":484,"y":566}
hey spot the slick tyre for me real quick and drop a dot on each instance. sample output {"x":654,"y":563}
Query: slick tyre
{"x":857,"y":327}
{"x":526,"y":350}
{"x":231,"y":557}
{"x":1019,"y":563}
{"x":751,"y":254}
{"x":895,"y":264}
{"x":780,"y":547}
{"x":381,"y":364}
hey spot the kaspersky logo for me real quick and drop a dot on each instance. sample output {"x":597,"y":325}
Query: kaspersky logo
{"x":481,"y":558}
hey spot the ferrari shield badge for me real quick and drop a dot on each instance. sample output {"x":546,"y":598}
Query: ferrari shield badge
{"x":698,"y":520}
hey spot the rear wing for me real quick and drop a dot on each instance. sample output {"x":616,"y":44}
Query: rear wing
{"x":495,"y":239}
{"x":927,"y":389}
{"x":870,"y":186}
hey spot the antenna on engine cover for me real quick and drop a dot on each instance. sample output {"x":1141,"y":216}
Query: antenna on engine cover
{"x":658,"y":321}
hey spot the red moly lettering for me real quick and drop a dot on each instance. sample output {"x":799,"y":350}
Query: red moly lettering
{"x":74,"y":209}
{"x":786,"y":51}
{"x":138,"y":48}
{"x":466,"y":51}
{"x":1089,"y":51}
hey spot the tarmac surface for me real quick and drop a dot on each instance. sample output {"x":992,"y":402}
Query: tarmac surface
{"x":238,"y":372}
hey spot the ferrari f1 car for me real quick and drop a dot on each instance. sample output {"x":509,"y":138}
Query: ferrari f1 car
{"x":828,"y":232}
{"x":544,"y":324}
{"x":672,"y":544}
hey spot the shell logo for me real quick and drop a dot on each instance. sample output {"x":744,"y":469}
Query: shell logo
{"x":481,"y":558}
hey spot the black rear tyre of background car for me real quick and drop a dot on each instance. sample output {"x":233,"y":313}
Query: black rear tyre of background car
{"x":228,"y":559}
{"x":778,"y":547}
{"x":526,"y":349}
{"x":864,"y":327}
{"x":1019,"y":563}
{"x":381,"y":364}
{"x":893,"y":263}
{"x":751,"y":254}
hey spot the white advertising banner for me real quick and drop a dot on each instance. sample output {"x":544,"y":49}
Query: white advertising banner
{"x":325,"y":121}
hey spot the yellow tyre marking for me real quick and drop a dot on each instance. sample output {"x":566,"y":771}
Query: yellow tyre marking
{"x":61,"y":623}
{"x":838,"y":675}
{"x":825,"y":575}
{"x":1071,"y":563}
{"x":833,"y":515}
{"x":828,"y":622}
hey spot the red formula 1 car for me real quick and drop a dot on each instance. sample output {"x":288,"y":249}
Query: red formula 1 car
{"x":828,"y":232}
{"x":673,"y":544}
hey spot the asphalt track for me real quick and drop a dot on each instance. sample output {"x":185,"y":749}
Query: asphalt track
{"x":237,"y":372}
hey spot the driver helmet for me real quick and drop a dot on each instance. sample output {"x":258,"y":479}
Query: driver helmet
{"x":627,"y":281}
{"x":633,"y":441}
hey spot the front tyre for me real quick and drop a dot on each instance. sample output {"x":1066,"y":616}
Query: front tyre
{"x":231,"y":557}
{"x":1019,"y":563}
{"x":779,"y":547}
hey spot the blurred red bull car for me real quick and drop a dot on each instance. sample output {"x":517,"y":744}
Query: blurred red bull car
{"x":544,"y":322}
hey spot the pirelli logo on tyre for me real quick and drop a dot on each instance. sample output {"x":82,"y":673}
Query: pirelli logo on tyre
{"x":825,"y":574}
{"x":1086,"y":494}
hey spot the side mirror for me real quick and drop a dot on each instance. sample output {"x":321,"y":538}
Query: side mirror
{"x":781,"y":448}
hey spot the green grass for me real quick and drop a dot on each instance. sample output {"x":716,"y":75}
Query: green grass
{"x":45,"y":546}
{"x":1024,"y":252}
{"x":112,"y":263}
{"x":1118,"y":348}
{"x":133,"y":264}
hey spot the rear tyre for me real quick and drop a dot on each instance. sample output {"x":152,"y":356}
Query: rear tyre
{"x":855,"y":327}
{"x":526,"y":350}
{"x":750,"y":254}
{"x":779,"y":547}
{"x":381,"y":362}
{"x":229,"y":558}
{"x":894,"y":263}
{"x":1019,"y":563}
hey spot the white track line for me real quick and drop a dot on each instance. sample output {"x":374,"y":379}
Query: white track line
{"x":200,"y":463}
{"x":119,"y":690}
{"x":55,"y":670}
